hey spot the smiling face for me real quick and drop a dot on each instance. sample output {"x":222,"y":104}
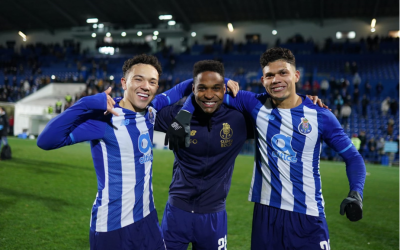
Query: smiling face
{"x":209,"y":90}
{"x":140,"y":84}
{"x":279,"y":80}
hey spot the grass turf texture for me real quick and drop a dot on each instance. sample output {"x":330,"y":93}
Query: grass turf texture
{"x":46,"y":198}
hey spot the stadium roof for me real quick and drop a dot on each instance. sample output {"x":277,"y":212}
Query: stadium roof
{"x":60,"y":14}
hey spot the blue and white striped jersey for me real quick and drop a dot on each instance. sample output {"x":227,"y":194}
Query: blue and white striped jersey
{"x":123,"y":159}
{"x":121,"y":150}
{"x":287,"y":152}
{"x":288,"y":147}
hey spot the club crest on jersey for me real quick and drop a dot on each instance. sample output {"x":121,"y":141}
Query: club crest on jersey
{"x":226,"y":134}
{"x":145,"y":145}
{"x":152,"y":116}
{"x":304,"y":126}
{"x":283,"y":146}
{"x":193,"y":133}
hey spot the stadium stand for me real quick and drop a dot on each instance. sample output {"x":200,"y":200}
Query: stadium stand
{"x":374,"y":60}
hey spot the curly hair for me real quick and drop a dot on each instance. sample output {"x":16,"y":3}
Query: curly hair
{"x":277,"y":53}
{"x":145,"y":59}
{"x":208,"y":65}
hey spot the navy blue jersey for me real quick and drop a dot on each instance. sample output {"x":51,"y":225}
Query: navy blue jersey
{"x":202,"y":173}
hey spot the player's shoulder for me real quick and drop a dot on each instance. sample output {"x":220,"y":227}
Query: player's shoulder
{"x":249,"y":93}
{"x":262,"y":97}
{"x":228,"y":113}
{"x":230,"y":110}
{"x":170,"y":110}
{"x":252,"y":97}
{"x":175,"y":108}
{"x":309,"y":104}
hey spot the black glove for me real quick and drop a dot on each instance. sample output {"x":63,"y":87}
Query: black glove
{"x":352,"y":206}
{"x":178,"y":134}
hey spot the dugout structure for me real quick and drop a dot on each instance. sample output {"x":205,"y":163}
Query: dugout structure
{"x":31,"y":113}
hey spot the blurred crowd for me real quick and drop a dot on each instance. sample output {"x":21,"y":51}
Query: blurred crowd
{"x":347,"y":96}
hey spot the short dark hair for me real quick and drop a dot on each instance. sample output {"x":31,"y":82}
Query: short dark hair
{"x":277,"y":53}
{"x":145,"y":59}
{"x":208,"y":65}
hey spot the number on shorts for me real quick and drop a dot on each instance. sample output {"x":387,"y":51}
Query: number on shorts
{"x":325,"y":245}
{"x":222,"y":243}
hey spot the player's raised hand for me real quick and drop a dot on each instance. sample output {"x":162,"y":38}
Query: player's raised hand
{"x":110,"y":103}
{"x":178,"y":133}
{"x":233,"y":87}
{"x":352,"y":206}
{"x":318,"y":101}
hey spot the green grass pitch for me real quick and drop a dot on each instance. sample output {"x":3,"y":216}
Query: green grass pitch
{"x":46,"y":198}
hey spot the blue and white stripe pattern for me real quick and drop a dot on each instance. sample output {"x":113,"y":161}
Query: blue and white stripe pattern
{"x":123,"y":163}
{"x":121,"y":151}
{"x":288,"y":146}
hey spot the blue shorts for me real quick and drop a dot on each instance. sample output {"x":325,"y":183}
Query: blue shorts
{"x":277,"y":229}
{"x":141,"y":235}
{"x":204,"y":231}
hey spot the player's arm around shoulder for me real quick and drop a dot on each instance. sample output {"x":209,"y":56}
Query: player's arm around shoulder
{"x":58,"y":132}
{"x":173,"y":95}
{"x":244,"y":101}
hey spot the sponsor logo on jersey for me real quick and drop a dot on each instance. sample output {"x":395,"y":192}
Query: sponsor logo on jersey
{"x":145,"y":145}
{"x":226,"y":134}
{"x":304,"y":126}
{"x":125,"y":122}
{"x":152,"y":116}
{"x":283,"y":148}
